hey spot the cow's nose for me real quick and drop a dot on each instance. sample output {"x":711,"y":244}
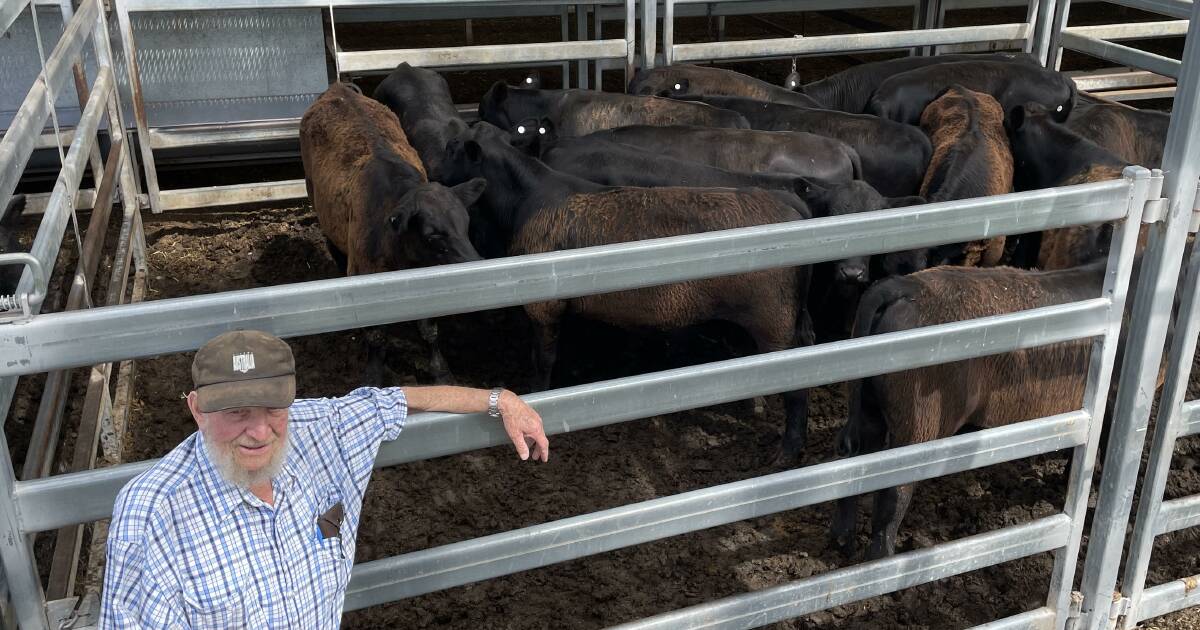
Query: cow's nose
{"x":852,"y":274}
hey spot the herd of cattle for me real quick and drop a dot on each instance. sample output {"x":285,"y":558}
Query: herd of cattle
{"x":399,"y":180}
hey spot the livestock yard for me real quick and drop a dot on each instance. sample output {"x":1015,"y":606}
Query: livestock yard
{"x":198,"y":243}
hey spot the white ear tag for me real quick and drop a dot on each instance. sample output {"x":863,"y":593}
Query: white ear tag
{"x":678,"y":86}
{"x":521,"y":129}
{"x":542,"y":130}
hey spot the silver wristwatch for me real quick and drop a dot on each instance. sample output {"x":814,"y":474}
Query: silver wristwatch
{"x":494,"y":402}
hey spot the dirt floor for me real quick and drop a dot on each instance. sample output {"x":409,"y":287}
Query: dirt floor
{"x":436,"y":502}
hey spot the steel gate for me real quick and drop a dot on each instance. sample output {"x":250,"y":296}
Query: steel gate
{"x":57,"y":341}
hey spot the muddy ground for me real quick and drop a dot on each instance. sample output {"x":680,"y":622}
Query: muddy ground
{"x":449,"y":499}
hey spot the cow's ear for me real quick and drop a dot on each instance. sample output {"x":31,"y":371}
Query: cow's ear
{"x":532,"y":80}
{"x":1015,"y":118}
{"x":499,"y":92}
{"x":904,"y":202}
{"x":545,"y":128}
{"x":681,"y":86}
{"x":469,"y":192}
{"x":473,"y":150}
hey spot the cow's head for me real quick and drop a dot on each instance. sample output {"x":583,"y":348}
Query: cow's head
{"x":533,"y":135}
{"x":430,"y":223}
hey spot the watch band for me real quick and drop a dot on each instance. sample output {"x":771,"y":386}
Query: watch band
{"x":494,"y":403}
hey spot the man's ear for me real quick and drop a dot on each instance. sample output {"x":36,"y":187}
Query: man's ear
{"x":194,"y":407}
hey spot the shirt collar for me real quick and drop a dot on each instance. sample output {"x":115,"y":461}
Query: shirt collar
{"x":226,"y":496}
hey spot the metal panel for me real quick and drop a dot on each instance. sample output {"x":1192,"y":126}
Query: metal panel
{"x":845,"y":43}
{"x":1124,"y":79}
{"x":866,"y":580}
{"x":1152,"y":309}
{"x":1169,"y":597}
{"x":60,"y":340}
{"x":1120,"y":53}
{"x":386,"y":60}
{"x":17,"y":145}
{"x":9,"y":12}
{"x":223,"y":65}
{"x":1040,"y":619}
{"x":469,"y":561}
{"x":22,"y":65}
{"x":1178,"y":514}
{"x":206,"y":135}
{"x":433,"y":435}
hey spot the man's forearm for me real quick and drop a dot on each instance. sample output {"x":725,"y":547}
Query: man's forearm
{"x":448,"y":398}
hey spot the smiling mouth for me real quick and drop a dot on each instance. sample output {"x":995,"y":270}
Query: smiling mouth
{"x":253,"y":449}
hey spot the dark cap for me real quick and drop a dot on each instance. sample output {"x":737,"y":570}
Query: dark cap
{"x":244,"y":368}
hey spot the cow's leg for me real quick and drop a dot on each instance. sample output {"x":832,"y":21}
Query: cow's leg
{"x":338,"y":257}
{"x":890,"y":506}
{"x":437,"y":363}
{"x":775,"y":329}
{"x":376,"y":343}
{"x":864,"y":432}
{"x":545,"y":317}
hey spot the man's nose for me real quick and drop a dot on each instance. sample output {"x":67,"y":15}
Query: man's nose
{"x":258,"y":428}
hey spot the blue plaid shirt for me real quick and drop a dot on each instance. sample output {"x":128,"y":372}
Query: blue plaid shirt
{"x":186,"y":549}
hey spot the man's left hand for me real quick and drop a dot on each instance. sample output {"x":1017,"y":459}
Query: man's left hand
{"x":524,"y":427}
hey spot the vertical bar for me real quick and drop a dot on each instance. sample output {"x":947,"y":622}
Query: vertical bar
{"x":1041,"y":15}
{"x":1095,"y":397}
{"x":649,"y":33}
{"x":130,"y":184}
{"x":1152,"y":310}
{"x":15,"y":551}
{"x":1166,"y":431}
{"x":81,"y":86}
{"x":581,"y":31}
{"x":668,"y":32}
{"x":1062,"y":13}
{"x":597,"y":29}
{"x":139,"y":107}
{"x":630,"y":39}
{"x":565,"y":23}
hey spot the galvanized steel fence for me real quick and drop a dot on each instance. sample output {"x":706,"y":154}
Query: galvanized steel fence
{"x":57,"y":341}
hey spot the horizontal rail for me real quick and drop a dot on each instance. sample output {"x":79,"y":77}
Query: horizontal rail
{"x":571,"y":409}
{"x":852,"y":42}
{"x":859,"y":582}
{"x":456,"y":56}
{"x":207,"y":135}
{"x":1112,"y":80}
{"x":484,"y":558}
{"x":63,"y":340}
{"x":1119,"y":53}
{"x":134,"y":6}
{"x":1178,"y":514}
{"x":27,"y":124}
{"x":1139,"y":94}
{"x":1190,"y":421}
{"x":1170,"y":597}
{"x":1132,"y":30}
{"x":1040,"y":619}
{"x":1181,"y":9}
{"x":231,"y":195}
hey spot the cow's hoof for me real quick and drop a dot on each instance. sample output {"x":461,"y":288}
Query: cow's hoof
{"x":787,"y":458}
{"x":760,"y":405}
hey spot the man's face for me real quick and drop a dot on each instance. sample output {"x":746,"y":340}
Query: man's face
{"x":248,"y":444}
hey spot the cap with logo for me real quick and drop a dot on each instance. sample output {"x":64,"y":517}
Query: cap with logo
{"x":244,"y":368}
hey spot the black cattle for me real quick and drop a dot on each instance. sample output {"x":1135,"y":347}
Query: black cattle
{"x":1134,"y":135}
{"x":788,"y":152}
{"x":1047,"y":154}
{"x":904,"y":96}
{"x":374,"y":204}
{"x":421,"y":100}
{"x":10,"y":275}
{"x":894,"y":155}
{"x":605,"y":162}
{"x":851,"y":89}
{"x":580,"y":112}
{"x":689,"y":79}
{"x":546,"y":210}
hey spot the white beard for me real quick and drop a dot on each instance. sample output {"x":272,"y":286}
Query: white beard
{"x":223,"y":458}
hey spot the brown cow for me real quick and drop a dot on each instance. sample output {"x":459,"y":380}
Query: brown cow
{"x":1134,"y":135}
{"x":375,"y":206}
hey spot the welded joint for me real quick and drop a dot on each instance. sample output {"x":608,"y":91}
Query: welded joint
{"x":1120,"y":608}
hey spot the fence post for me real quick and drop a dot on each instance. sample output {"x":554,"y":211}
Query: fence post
{"x":1139,"y":372}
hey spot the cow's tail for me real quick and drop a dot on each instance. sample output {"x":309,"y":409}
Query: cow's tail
{"x":864,"y":422}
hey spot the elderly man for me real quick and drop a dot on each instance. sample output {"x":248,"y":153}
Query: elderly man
{"x":250,"y":522}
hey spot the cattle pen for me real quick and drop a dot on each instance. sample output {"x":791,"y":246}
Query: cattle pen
{"x":122,"y":103}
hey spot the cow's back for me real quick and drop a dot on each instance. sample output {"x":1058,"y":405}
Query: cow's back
{"x":583,"y":113}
